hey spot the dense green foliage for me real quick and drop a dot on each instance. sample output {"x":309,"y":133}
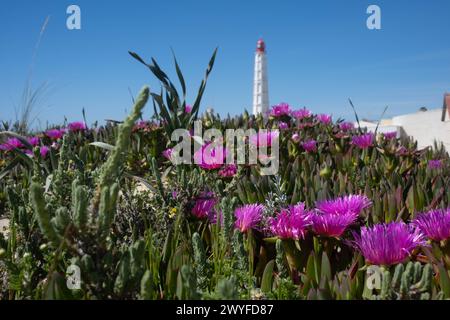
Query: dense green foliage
{"x":107,"y":201}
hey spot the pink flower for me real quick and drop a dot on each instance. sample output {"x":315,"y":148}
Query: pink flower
{"x":11,"y":144}
{"x":388,"y":244}
{"x":44,"y":151}
{"x":332,"y":225}
{"x":351,"y":204}
{"x":204,"y":208}
{"x":346,"y":126}
{"x":210,"y":157}
{"x":402,"y":151}
{"x":228,"y":170}
{"x":306,"y":125}
{"x":324,"y":118}
{"x":390,"y":135}
{"x":248,"y":217}
{"x":167,"y":154}
{"x":264,"y":139}
{"x":280,"y":110}
{"x":283,"y":125}
{"x":310,"y":145}
{"x":55,"y":134}
{"x":188,"y":109}
{"x":333,"y":217}
{"x":77,"y":126}
{"x":301,"y":113}
{"x":141,"y":125}
{"x":291,"y":223}
{"x":434,"y":164}
{"x":34,"y":141}
{"x":363,"y":141}
{"x":295,"y":137}
{"x":435,"y":224}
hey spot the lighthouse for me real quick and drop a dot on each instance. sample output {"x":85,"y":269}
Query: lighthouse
{"x":260,"y":85}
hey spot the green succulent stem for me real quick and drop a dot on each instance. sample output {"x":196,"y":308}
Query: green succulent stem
{"x":292,"y":254}
{"x":42,"y":214}
{"x":445,"y":248}
{"x":111,"y":169}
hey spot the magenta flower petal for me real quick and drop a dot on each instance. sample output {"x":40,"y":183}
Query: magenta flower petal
{"x":390,"y":135}
{"x":210,"y":157}
{"x":280,"y":110}
{"x":283,"y":125}
{"x":402,"y":151}
{"x":167,"y":154}
{"x":324,"y":118}
{"x":204,"y":208}
{"x":310,"y":145}
{"x":388,"y":244}
{"x":248,"y":217}
{"x":332,"y":225}
{"x":264,"y":139}
{"x":333,"y":217}
{"x":141,"y":125}
{"x":435,"y":224}
{"x":11,"y":144}
{"x":55,"y":134}
{"x":44,"y":150}
{"x":228,"y":170}
{"x":301,"y":114}
{"x":434,"y":164}
{"x":34,"y":141}
{"x":346,"y":126}
{"x":291,"y":223}
{"x":296,"y":137}
{"x":363,"y":141}
{"x":351,"y":204}
{"x":77,"y":126}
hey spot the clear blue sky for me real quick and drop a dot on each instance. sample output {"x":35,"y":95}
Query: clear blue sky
{"x":319,"y":54}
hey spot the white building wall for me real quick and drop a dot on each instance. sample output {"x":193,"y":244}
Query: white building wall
{"x":371,"y":127}
{"x":425,"y":127}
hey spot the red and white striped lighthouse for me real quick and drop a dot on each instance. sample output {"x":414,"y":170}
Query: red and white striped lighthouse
{"x":260,"y":84}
